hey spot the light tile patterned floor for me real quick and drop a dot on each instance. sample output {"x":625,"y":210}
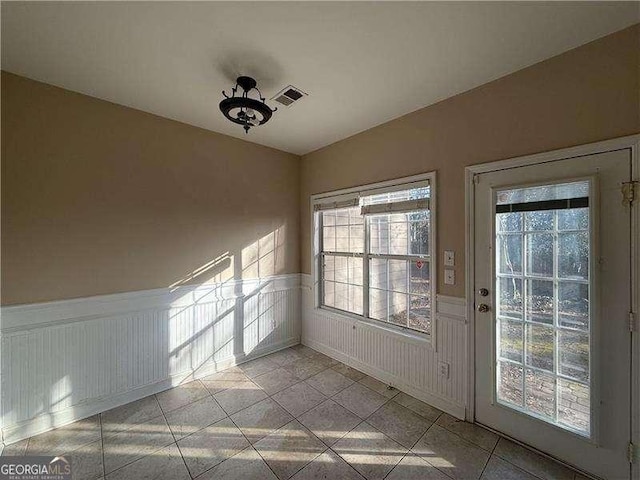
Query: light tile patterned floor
{"x":294,"y":414}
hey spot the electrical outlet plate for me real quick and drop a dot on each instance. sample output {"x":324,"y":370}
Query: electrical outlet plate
{"x":449,"y":258}
{"x":449,"y":277}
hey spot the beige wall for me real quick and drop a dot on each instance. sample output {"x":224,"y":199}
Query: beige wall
{"x":585,"y":95}
{"x":99,"y":198}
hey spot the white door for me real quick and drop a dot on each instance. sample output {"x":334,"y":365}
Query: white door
{"x":552,"y":297}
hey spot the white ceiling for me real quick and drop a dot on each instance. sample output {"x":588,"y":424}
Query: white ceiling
{"x":361,"y":63}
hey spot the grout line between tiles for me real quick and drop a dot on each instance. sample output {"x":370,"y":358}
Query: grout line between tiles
{"x":488,"y":459}
{"x":314,"y":458}
{"x":309,"y":462}
{"x":350,"y":466}
{"x":185,"y":462}
{"x":410,"y":450}
{"x":309,"y":409}
{"x":396,"y":465}
{"x":387,"y":436}
{"x":430,"y":427}
{"x":156,"y":449}
{"x":175,"y":440}
{"x":251,"y":446}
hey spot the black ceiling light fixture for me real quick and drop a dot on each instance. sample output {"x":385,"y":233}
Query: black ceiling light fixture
{"x":240,"y":108}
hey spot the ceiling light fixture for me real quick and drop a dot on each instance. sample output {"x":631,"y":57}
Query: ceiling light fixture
{"x":244,"y":110}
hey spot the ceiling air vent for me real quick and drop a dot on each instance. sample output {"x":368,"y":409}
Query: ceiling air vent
{"x":288,"y":95}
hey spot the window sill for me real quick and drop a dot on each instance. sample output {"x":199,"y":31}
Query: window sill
{"x":411,"y":336}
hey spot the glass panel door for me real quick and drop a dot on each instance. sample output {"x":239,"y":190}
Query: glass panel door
{"x":552,"y":295}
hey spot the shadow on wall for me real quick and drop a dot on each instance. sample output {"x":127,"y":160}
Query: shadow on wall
{"x":232,"y":308}
{"x":248,"y":321}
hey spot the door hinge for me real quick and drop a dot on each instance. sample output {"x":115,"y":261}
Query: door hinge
{"x":476,"y":178}
{"x":631,"y":452}
{"x":629,"y":192}
{"x":632,"y":322}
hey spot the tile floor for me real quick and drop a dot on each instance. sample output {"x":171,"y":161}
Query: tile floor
{"x":293,"y":414}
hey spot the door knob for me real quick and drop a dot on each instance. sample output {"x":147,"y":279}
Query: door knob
{"x":483,"y":308}
{"x":483,"y":292}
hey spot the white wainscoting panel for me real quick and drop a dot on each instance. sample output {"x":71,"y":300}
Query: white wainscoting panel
{"x":405,"y":361}
{"x":66,"y":360}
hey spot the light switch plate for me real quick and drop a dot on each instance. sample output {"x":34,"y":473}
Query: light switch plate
{"x":449,"y":258}
{"x":449,"y":276}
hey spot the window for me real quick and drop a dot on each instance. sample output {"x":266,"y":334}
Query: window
{"x":543,"y":303}
{"x":373,"y":249}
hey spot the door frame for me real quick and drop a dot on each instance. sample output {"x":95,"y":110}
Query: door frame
{"x":631,"y":142}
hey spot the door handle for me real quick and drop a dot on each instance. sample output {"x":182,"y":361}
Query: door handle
{"x":483,"y":308}
{"x":483,"y":292}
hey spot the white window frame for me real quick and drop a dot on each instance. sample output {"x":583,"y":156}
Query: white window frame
{"x":344,"y":195}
